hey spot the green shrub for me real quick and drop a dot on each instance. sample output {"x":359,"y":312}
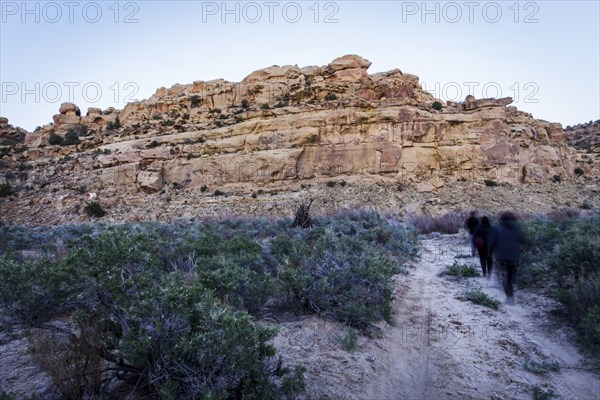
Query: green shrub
{"x":168,"y":305}
{"x":330,"y":97}
{"x":203,"y":188}
{"x":556,"y":178}
{"x":218,"y":192}
{"x":280,"y":104}
{"x":265,"y":106}
{"x":460,"y":270}
{"x":55,"y":139}
{"x":541,"y":368}
{"x":564,"y":249}
{"x":436,"y":105}
{"x":343,"y":268}
{"x":451,"y":222}
{"x":245,"y":103}
{"x":490,"y":182}
{"x":348,"y":342}
{"x":156,"y":324}
{"x":94,"y":209}
{"x":330,"y":184}
{"x":195,"y":101}
{"x":73,"y":134}
{"x":111,"y":126}
{"x":7,"y":396}
{"x":477,"y":296}
{"x":578,"y":171}
{"x":540,"y":394}
{"x":235,"y":270}
{"x":578,"y":252}
{"x":5,"y":189}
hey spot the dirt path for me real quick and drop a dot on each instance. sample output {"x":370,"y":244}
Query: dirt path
{"x":443,"y":347}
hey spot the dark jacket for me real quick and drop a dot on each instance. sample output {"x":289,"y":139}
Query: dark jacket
{"x":471,"y":224}
{"x":505,"y":241}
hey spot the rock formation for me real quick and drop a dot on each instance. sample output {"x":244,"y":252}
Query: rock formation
{"x":284,"y":125}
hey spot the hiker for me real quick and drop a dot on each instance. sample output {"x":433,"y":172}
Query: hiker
{"x":480,"y":241}
{"x":505,"y":243}
{"x":470,"y":225}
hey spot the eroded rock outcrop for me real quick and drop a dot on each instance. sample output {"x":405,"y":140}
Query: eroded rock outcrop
{"x":286,"y":124}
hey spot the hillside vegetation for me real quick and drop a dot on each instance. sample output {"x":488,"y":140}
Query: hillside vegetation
{"x":176,"y":309}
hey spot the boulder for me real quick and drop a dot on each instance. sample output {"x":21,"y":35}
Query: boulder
{"x":350,"y":61}
{"x":150,"y":181}
{"x":69,"y":109}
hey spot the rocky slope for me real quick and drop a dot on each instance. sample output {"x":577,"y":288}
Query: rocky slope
{"x":293,"y":133}
{"x":584,"y":136}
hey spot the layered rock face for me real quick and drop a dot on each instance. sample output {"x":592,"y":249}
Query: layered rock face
{"x":286,"y":124}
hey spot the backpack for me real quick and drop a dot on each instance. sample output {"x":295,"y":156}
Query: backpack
{"x":479,"y":242}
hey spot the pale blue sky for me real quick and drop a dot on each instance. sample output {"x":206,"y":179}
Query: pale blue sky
{"x":545,"y":54}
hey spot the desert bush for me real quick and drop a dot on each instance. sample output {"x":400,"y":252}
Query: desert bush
{"x":348,"y":342}
{"x":582,"y":302}
{"x":577,"y":254}
{"x":170,"y":304}
{"x":330,"y":97}
{"x":35,"y":290}
{"x":449,"y":223}
{"x":490,"y":182}
{"x":235,"y":271}
{"x":578,"y":171}
{"x":5,"y":189}
{"x":339,"y":278}
{"x":564,"y":251}
{"x":541,"y":368}
{"x":478,"y":296}
{"x":94,"y":209}
{"x":195,"y":101}
{"x":540,"y":394}
{"x":436,"y":105}
{"x":71,"y":138}
{"x":117,"y":123}
{"x":460,"y":270}
{"x":70,"y":360}
{"x":563,"y":213}
{"x":161,"y":330}
{"x":342,"y":269}
{"x":55,"y":139}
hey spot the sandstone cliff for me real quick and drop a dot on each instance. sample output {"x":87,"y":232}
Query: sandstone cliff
{"x":281,"y":128}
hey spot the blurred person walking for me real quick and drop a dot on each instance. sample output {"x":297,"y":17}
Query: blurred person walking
{"x":480,"y":241}
{"x":470,"y":225}
{"x":504,"y":242}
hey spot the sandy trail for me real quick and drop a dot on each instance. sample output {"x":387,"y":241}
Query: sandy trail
{"x":443,"y":347}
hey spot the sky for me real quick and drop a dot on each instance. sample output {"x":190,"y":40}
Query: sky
{"x":543,"y":54}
